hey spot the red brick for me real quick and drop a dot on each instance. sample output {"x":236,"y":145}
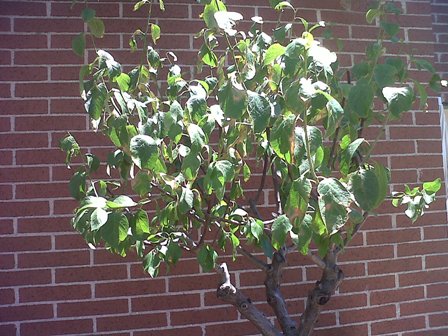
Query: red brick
{"x":367,"y":253}
{"x":367,"y":314}
{"x":401,"y":324}
{"x":7,"y":296}
{"x":422,"y":248}
{"x":6,"y":158}
{"x":419,"y":278}
{"x":18,"y":209}
{"x":91,"y":273}
{"x":130,"y":288}
{"x":188,"y":283}
{"x":438,"y":320}
{"x":235,"y":328}
{"x":13,"y":8}
{"x":353,"y":330}
{"x":50,"y":123}
{"x":33,"y":90}
{"x":19,"y":107}
{"x":5,"y":192}
{"x":5,"y":56}
{"x":20,"y":74}
{"x":55,"y":293}
{"x":43,"y":57}
{"x":16,"y":244}
{"x":42,"y":190}
{"x":394,"y":266}
{"x":31,"y":312}
{"x":57,"y":327}
{"x":228,"y":313}
{"x":436,"y":261}
{"x":23,"y":41}
{"x":185,"y":331}
{"x":396,"y":295}
{"x":392,"y":236}
{"x":7,"y":260}
{"x":424,"y":306}
{"x":8,"y":329}
{"x":23,"y":141}
{"x":22,"y":174}
{"x":139,"y":321}
{"x":433,"y":332}
{"x":438,"y":290}
{"x":93,"y":307}
{"x":367,"y":283}
{"x":346,"y":301}
{"x":165,"y":303}
{"x":44,"y":224}
{"x":53,"y":259}
{"x":52,"y":25}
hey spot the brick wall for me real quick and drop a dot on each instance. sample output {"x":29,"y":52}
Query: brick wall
{"x":52,"y":284}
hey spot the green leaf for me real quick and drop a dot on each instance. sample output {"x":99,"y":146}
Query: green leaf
{"x":360,"y":99}
{"x":390,"y":28}
{"x":282,"y":137}
{"x":77,"y":185}
{"x":372,"y":14}
{"x":256,"y":228}
{"x":207,"y":257}
{"x":98,"y":218}
{"x":79,"y":44}
{"x":95,"y":101}
{"x":96,"y":27}
{"x":232,"y":99}
{"x":186,"y":200}
{"x":173,"y":253}
{"x":370,"y":186}
{"x":282,"y":5}
{"x":144,"y":151}
{"x":399,"y":99}
{"x":423,"y":95}
{"x":227,"y":20}
{"x":87,"y":14}
{"x":246,"y":172}
{"x":209,"y":13}
{"x":335,"y":114}
{"x":274,"y":51}
{"x":93,"y":163}
{"x":280,"y":229}
{"x":207,"y":56}
{"x":70,"y":147}
{"x":424,"y":64}
{"x":140,"y":225}
{"x":116,"y":229}
{"x":197,"y":137}
{"x":303,"y":239}
{"x":123,"y":80}
{"x":384,"y":75}
{"x":121,"y":201}
{"x":155,"y":32}
{"x":151,"y":263}
{"x":260,"y":109}
{"x":141,"y":184}
{"x":297,"y":201}
{"x":332,"y":189}
{"x":432,"y":187}
{"x":348,"y":154}
{"x":190,"y":166}
{"x":225,"y":169}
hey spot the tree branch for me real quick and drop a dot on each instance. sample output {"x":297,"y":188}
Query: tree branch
{"x":228,"y":293}
{"x":254,"y":259}
{"x":331,"y":278}
{"x":274,"y":296}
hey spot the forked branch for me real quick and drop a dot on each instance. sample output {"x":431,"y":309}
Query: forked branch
{"x":229,"y":294}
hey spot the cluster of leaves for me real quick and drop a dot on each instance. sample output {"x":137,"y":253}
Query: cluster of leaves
{"x":275,"y":96}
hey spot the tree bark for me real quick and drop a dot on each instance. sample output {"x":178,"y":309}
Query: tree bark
{"x":228,"y":293}
{"x":274,"y":296}
{"x":331,"y":278}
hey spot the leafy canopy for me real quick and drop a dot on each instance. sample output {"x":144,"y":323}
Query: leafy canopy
{"x":182,"y":157}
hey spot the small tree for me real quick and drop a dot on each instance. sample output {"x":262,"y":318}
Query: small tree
{"x":185,"y":150}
